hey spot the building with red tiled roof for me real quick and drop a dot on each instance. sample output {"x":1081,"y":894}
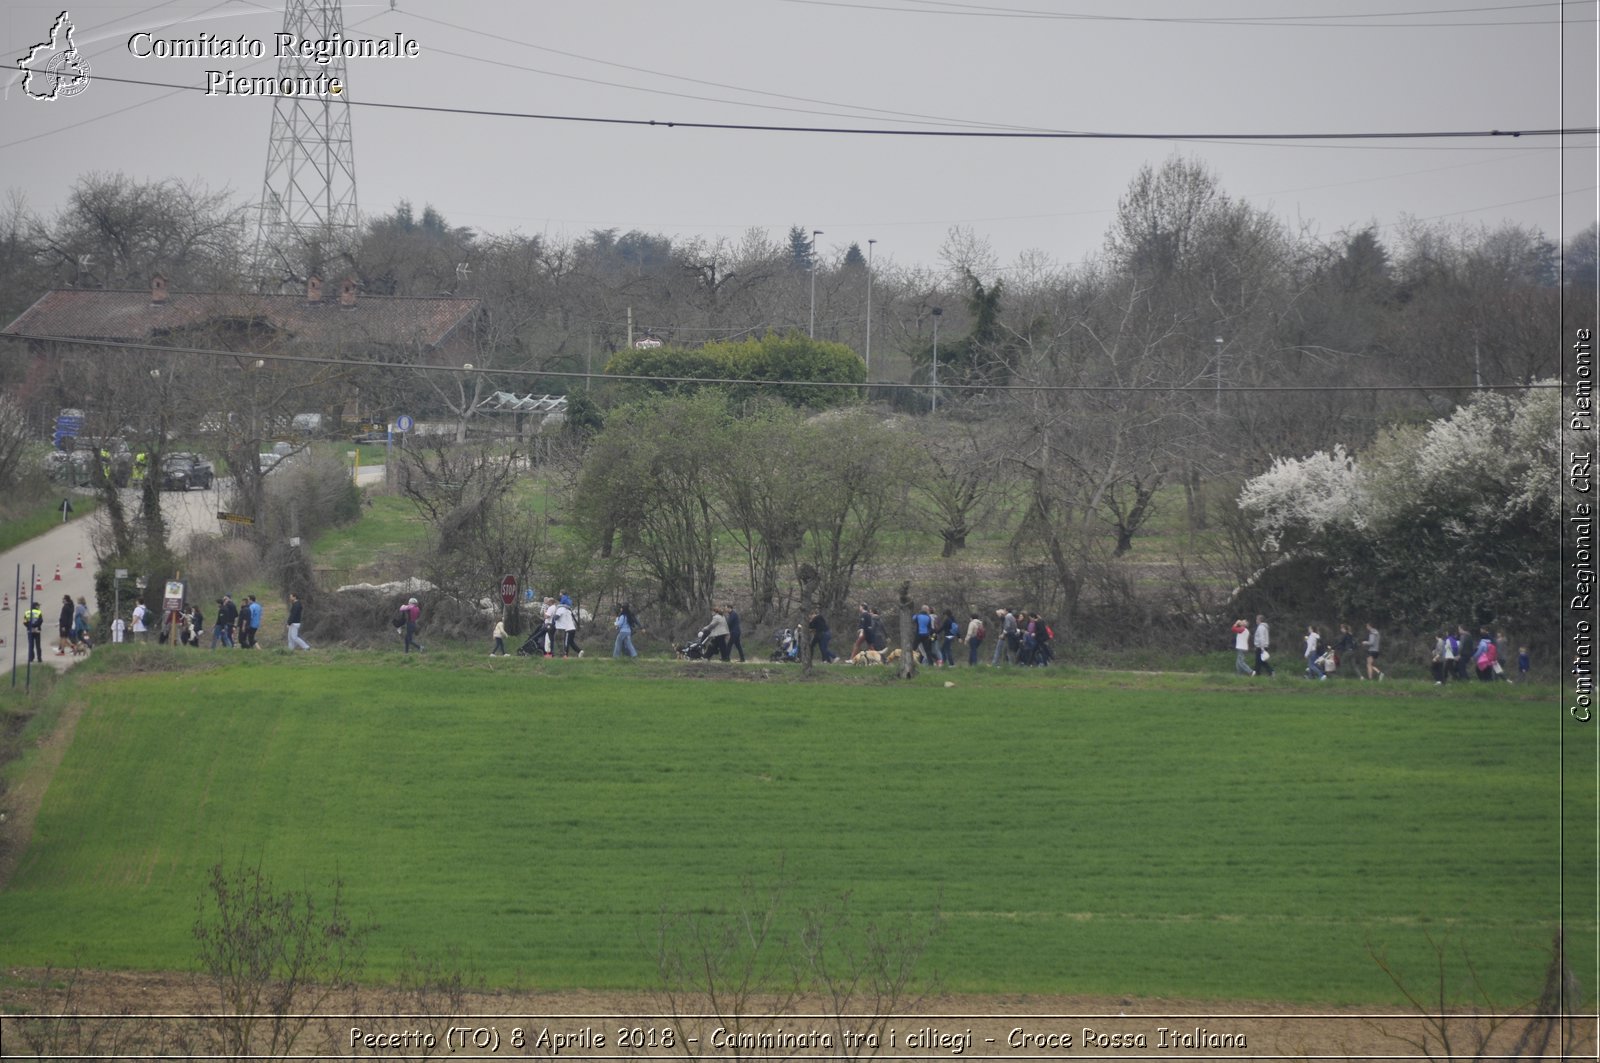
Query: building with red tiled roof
{"x":415,"y":324}
{"x":381,"y":328}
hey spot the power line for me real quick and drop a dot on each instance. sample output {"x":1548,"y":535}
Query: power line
{"x":980,"y":11}
{"x":902,"y":116}
{"x":165,"y":95}
{"x":1160,"y":389}
{"x":987,"y":134}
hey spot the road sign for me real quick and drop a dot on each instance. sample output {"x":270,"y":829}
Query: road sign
{"x":172,"y":600}
{"x":404,"y":423}
{"x":508,"y":590}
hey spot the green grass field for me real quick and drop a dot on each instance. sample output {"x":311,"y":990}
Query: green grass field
{"x":1081,"y":832}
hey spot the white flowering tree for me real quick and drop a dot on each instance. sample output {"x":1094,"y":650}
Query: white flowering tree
{"x":1299,"y":499}
{"x":1445,"y":522}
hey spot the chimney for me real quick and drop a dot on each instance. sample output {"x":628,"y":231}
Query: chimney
{"x":313,"y":289}
{"x":347,"y":293}
{"x":158,"y":290}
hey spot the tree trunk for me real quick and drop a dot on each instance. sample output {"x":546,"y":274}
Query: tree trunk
{"x":908,"y":658}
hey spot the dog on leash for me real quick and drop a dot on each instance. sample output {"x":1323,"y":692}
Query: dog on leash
{"x":867,"y":657}
{"x":892,"y":656}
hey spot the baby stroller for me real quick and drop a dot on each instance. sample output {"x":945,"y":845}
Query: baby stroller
{"x":534,"y":647}
{"x":787,"y":643}
{"x":695,"y":649}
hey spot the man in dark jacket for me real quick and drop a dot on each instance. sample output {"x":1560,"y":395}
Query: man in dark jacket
{"x":227,"y":616}
{"x":295,"y":611}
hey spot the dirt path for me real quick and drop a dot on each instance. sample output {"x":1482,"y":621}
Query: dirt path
{"x":23,"y":800}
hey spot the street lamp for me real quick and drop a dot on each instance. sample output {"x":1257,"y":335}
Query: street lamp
{"x":938,"y":312}
{"x":869,"y":310}
{"x":812,"y":330}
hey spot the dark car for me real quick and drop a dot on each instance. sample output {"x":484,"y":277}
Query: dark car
{"x":180,"y":472}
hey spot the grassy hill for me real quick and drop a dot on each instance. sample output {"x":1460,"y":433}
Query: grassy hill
{"x":1083,"y":832}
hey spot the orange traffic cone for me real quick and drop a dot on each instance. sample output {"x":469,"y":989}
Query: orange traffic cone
{"x":58,"y":573}
{"x":6,"y":608}
{"x":39,"y":584}
{"x":80,"y":560}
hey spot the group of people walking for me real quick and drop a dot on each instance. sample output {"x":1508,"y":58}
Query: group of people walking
{"x":1457,"y":652}
{"x":72,"y":628}
{"x":235,"y":624}
{"x":1452,"y":651}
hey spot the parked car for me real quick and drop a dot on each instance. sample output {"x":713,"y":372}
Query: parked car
{"x":182,"y":471}
{"x":372,"y":435}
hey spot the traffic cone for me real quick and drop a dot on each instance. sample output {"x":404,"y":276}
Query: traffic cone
{"x":58,"y":573}
{"x":39,"y":584}
{"x":80,"y":560}
{"x":6,"y":608}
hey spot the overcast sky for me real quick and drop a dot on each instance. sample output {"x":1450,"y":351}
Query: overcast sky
{"x":1112,"y":66}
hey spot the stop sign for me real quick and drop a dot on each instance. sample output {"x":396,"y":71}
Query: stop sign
{"x":508,"y":590}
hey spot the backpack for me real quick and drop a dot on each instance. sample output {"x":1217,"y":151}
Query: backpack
{"x":400,"y":618}
{"x":980,"y":632}
{"x":1049,"y":633}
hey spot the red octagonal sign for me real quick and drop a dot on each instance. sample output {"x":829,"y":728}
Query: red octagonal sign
{"x":508,"y":590}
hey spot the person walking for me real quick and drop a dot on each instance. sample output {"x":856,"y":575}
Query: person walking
{"x":227,"y":617}
{"x":716,"y":634}
{"x":625,"y":624}
{"x":296,"y":616}
{"x":1449,"y":650}
{"x":1005,"y":624}
{"x":949,"y":631}
{"x":141,"y":630}
{"x":412,"y":613}
{"x":1262,"y":641}
{"x":1043,"y":635}
{"x":80,"y":622}
{"x":923,"y":620}
{"x":567,"y":628}
{"x":64,"y":626}
{"x":1314,"y":651}
{"x":1374,"y":646}
{"x":863,"y":631}
{"x":1439,"y":664}
{"x":1486,"y":656}
{"x":499,"y":647}
{"x":33,"y":621}
{"x":547,"y":628}
{"x":1241,"y":647}
{"x":975,"y":633}
{"x":196,"y":626}
{"x":734,"y":632}
{"x":819,"y":638}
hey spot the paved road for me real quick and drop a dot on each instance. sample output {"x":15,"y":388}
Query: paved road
{"x":62,"y":550}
